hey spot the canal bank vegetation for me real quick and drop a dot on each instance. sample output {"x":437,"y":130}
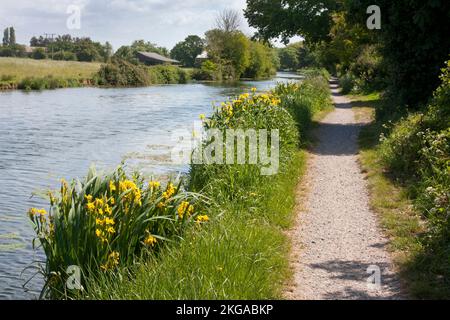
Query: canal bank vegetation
{"x":40,"y":74}
{"x":219,"y":235}
{"x":406,"y":150}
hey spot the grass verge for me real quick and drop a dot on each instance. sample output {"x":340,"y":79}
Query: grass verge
{"x":243,"y":254}
{"x":401,"y":221}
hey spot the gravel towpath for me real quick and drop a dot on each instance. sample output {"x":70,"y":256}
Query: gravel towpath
{"x":337,"y":244}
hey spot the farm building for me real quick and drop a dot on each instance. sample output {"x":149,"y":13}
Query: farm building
{"x":151,"y":58}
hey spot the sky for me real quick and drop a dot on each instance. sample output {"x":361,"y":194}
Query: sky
{"x":164,"y":22}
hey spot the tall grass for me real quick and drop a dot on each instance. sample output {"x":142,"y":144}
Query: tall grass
{"x":19,"y":69}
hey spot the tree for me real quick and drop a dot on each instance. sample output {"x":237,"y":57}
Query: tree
{"x":229,"y":49}
{"x":12,"y":36}
{"x":415,"y":42}
{"x":228,"y":20}
{"x":289,"y":56}
{"x":311,"y":19}
{"x":6,"y":37}
{"x":187,"y":50}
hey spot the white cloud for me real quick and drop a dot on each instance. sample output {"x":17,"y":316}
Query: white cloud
{"x":164,"y":22}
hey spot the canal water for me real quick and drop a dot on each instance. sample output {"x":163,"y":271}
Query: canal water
{"x":49,"y":135}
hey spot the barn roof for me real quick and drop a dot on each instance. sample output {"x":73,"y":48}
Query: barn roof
{"x":157,"y":57}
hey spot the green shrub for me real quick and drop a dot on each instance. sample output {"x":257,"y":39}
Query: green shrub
{"x":168,"y":75}
{"x":417,"y":149}
{"x":209,"y":71}
{"x":347,"y":83}
{"x":39,"y":54}
{"x":120,"y":73}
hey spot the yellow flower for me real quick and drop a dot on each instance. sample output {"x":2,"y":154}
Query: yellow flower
{"x":182,"y":209}
{"x":35,"y":212}
{"x":203,"y":218}
{"x":88,"y":198}
{"x":202,"y":117}
{"x":111,"y":230}
{"x":112,"y":201}
{"x":108,"y":210}
{"x":150,"y":241}
{"x":253,"y":90}
{"x":110,"y":221}
{"x":99,"y":233}
{"x":170,"y":191}
{"x":90,"y":207}
{"x":99,"y":222}
{"x":154,"y":185}
{"x":112,"y":187}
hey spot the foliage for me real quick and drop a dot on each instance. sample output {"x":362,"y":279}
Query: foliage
{"x":416,"y":150}
{"x":242,"y":253}
{"x":106,"y":222}
{"x":187,"y":51}
{"x":121,"y":73}
{"x":66,"y":47}
{"x":261,"y":62}
{"x":209,"y":71}
{"x":229,"y":49}
{"x":309,"y":18}
{"x":289,"y":56}
{"x":39,"y":54}
{"x":415,"y":42}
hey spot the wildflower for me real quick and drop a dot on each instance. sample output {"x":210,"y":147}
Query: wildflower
{"x":182,"y":209}
{"x":170,"y":191}
{"x":111,"y":230}
{"x":202,"y":117}
{"x":154,"y":185}
{"x":112,"y":201}
{"x":109,"y":221}
{"x":88,"y":198}
{"x":150,"y":241}
{"x":253,"y":90}
{"x":112,"y":187}
{"x":99,"y":233}
{"x":108,"y":210}
{"x":36,"y":212}
{"x":90,"y":207}
{"x":201,"y":219}
{"x":99,"y":222}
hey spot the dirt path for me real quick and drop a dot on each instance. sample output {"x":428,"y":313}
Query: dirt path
{"x":337,"y":237}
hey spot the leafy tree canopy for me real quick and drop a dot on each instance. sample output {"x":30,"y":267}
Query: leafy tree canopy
{"x":187,"y":50}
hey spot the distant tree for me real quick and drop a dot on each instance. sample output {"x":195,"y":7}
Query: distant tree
{"x":6,"y":37}
{"x":230,"y":49}
{"x":187,"y":50}
{"x":107,"y":51}
{"x":289,"y":56}
{"x":228,"y":20}
{"x":12,"y":36}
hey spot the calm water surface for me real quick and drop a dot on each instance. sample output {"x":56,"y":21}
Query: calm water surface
{"x":47,"y":135}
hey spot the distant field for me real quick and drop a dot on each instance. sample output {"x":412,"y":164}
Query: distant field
{"x":20,"y":68}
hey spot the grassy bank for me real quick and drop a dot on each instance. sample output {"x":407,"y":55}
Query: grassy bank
{"x":417,"y":232}
{"x":20,"y":72}
{"x":236,"y":249}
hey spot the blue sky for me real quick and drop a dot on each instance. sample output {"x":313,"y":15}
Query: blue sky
{"x":164,"y":22}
